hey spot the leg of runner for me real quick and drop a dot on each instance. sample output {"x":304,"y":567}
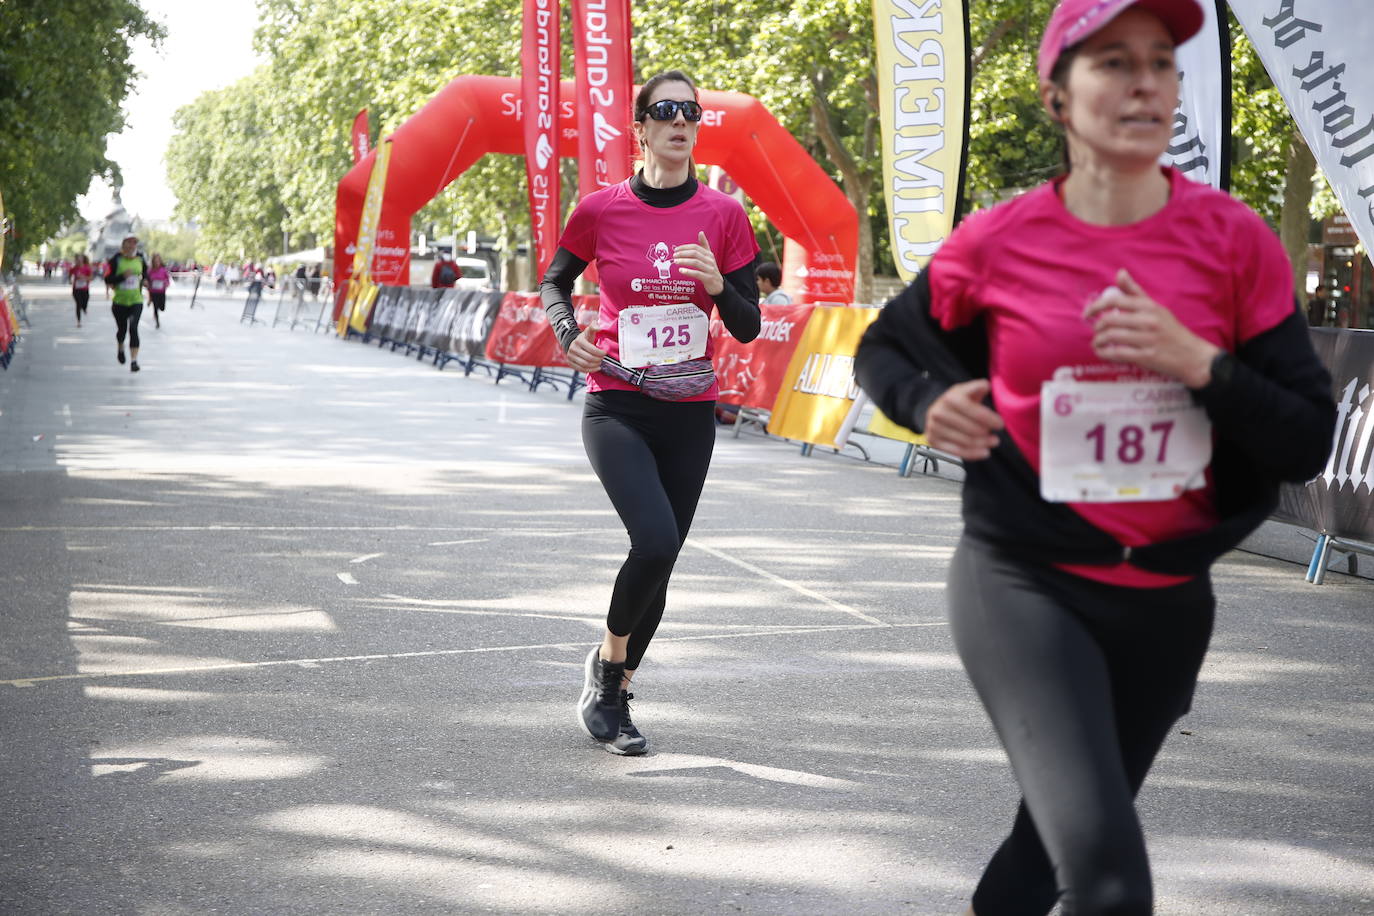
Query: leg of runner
{"x":121,"y":317}
{"x":1083,"y":682}
{"x":652,"y":459}
{"x":134,"y":312}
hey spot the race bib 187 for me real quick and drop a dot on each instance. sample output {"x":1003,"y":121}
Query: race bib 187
{"x":660,"y":334}
{"x":1120,"y":441}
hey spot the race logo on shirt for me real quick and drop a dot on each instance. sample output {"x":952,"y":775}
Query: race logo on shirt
{"x":662,"y":287}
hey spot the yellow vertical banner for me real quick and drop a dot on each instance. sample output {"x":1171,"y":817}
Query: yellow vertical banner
{"x":923,"y":93}
{"x":819,"y":388}
{"x":354,"y":312}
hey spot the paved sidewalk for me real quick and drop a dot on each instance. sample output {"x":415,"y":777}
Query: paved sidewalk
{"x":294,"y":625}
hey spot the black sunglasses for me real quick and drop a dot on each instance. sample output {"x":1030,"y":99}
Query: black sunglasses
{"x":667,"y":109}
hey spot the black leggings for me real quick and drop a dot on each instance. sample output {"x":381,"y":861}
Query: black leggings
{"x":1083,"y":682}
{"x":126,"y":321}
{"x":652,"y":458}
{"x":159,"y":300}
{"x":83,"y":298}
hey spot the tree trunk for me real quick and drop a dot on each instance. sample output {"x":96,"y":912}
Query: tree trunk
{"x":1295,"y":219}
{"x":855,"y":181}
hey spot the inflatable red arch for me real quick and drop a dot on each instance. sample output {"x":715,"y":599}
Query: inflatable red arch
{"x":476,"y":115}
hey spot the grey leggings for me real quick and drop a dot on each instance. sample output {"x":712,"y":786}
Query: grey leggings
{"x":1083,"y":682}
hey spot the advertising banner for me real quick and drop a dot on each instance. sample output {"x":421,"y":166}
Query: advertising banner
{"x":923,"y":104}
{"x":361,"y":139}
{"x":1340,"y":500}
{"x":1201,"y":146}
{"x":751,"y":374}
{"x":819,"y":387}
{"x":472,"y":325}
{"x":604,"y":87}
{"x":539,"y":71}
{"x":361,"y":277}
{"x":1318,"y":54}
{"x":522,"y":336}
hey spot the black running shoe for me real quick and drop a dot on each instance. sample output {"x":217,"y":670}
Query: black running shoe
{"x":598,"y":710}
{"x":120,"y":356}
{"x":133,"y":366}
{"x":629,"y":742}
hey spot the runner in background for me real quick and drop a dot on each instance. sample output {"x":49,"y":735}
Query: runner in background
{"x":126,"y":274}
{"x":80,"y":276}
{"x":446,"y":272}
{"x":1118,"y":359}
{"x":668,"y":250}
{"x":158,"y":279}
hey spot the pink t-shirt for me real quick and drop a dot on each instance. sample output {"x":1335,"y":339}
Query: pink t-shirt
{"x":158,"y":277}
{"x":81,"y":276}
{"x":1029,"y":267}
{"x":632,"y":244}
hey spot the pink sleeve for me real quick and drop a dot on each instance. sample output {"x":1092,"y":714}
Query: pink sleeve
{"x":1263,"y":279}
{"x":954,"y":274}
{"x":579,"y":235}
{"x":740,"y":245}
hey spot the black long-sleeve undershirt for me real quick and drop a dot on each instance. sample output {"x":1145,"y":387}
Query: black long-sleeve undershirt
{"x":737,"y":302}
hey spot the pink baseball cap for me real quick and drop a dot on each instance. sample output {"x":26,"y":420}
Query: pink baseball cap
{"x":1074,"y":20}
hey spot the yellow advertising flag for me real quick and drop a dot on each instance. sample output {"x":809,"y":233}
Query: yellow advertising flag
{"x":819,"y":386}
{"x":923,"y":104}
{"x":361,"y":277}
{"x":880,"y":425}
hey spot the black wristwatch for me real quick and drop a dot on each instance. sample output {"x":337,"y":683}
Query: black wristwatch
{"x":1223,"y":367}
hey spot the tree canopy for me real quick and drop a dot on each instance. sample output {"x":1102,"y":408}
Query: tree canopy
{"x":65,"y":74}
{"x":264,"y":156}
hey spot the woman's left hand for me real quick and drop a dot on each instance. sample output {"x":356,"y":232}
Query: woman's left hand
{"x":697,"y":261}
{"x":1130,"y":327}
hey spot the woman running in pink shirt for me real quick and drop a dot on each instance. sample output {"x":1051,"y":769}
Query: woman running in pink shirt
{"x":1109,"y":354}
{"x":667,"y":251}
{"x":159,"y":278}
{"x":81,"y":275}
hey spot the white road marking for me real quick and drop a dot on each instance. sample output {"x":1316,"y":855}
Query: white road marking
{"x":452,"y":543}
{"x":580,"y":645}
{"x":364,"y":559}
{"x":665,"y":764}
{"x":347,"y":578}
{"x":785,"y":583}
{"x":67,"y":414}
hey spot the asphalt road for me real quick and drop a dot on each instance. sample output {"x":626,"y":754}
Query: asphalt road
{"x":294,"y":625}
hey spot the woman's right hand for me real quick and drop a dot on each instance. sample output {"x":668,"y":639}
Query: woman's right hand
{"x":583,"y":354}
{"x":960,"y":424}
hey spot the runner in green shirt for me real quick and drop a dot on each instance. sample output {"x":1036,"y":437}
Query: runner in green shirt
{"x":127,"y":275}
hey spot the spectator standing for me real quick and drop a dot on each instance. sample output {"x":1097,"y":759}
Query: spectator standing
{"x":1317,"y":306}
{"x":446,"y":272}
{"x":770,"y":284}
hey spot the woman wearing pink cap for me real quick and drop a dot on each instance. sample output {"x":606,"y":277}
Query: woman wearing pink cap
{"x":1110,"y":355}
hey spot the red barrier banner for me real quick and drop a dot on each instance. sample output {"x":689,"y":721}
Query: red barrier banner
{"x":522,"y":335}
{"x":5,"y":336}
{"x":360,"y":138}
{"x":751,"y":374}
{"x":601,"y":38}
{"x":539,"y":70}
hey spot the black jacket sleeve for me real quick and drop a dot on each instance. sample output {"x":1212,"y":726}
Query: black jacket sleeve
{"x":738,"y":303}
{"x":555,"y":292}
{"x":1276,"y":404}
{"x":906,"y":360}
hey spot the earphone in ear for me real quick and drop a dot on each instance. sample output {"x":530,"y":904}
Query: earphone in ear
{"x":1057,"y":104}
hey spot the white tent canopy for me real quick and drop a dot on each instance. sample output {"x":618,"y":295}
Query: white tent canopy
{"x":307,"y":256}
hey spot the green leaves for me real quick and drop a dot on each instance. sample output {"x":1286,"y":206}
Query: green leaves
{"x":65,"y":74}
